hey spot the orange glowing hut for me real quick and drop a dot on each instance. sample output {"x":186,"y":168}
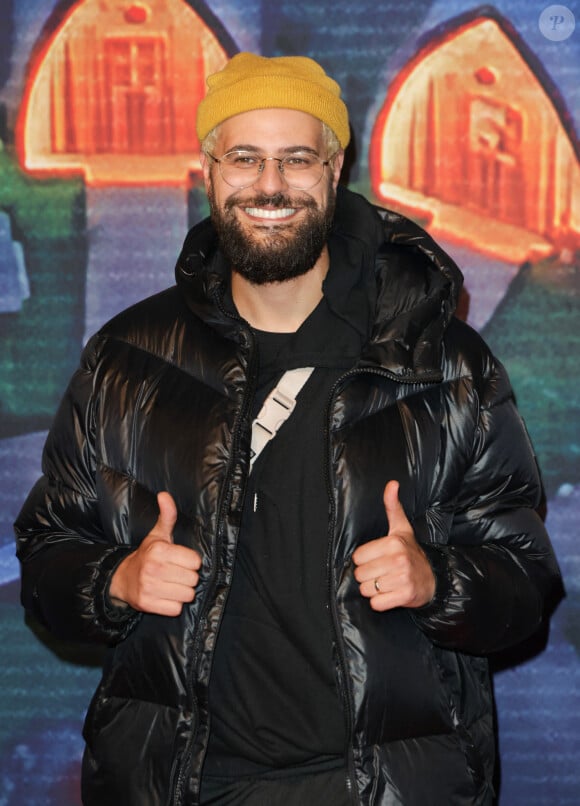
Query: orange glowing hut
{"x":112,"y":92}
{"x":471,"y":138}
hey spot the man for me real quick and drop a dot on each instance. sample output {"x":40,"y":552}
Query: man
{"x":299,"y":610}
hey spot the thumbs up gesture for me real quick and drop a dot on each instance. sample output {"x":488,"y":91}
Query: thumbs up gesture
{"x":393,"y":571}
{"x":158,"y":577}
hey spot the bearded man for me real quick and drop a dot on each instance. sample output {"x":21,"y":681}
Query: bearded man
{"x":292,"y":493}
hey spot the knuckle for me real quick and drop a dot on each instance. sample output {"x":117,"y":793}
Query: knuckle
{"x":159,"y":548}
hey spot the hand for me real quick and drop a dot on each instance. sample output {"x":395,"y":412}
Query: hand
{"x":158,"y":577}
{"x":393,"y":571}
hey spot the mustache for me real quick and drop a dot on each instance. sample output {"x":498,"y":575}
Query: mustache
{"x":278,"y":200}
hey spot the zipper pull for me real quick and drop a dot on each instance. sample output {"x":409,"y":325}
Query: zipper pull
{"x":255,"y":502}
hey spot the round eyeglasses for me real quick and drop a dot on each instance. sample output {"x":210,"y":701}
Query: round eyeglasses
{"x":241,"y":169}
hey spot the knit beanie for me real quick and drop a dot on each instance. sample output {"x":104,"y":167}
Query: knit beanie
{"x":250,"y":82}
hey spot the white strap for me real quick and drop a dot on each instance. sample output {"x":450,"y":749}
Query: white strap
{"x":277,"y":407}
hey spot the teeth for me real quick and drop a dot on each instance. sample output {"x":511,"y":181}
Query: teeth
{"x":260,"y":212}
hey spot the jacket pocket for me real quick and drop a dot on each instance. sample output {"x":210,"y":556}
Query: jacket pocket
{"x":129,"y":752}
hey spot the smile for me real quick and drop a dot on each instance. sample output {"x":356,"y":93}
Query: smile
{"x":271,"y":215}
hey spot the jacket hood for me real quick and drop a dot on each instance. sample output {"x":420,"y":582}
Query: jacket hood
{"x":417,"y":289}
{"x":413,"y":285}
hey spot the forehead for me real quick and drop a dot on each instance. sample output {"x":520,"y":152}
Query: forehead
{"x":271,"y":130}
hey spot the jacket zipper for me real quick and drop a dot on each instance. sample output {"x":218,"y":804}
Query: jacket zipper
{"x":342,"y":677}
{"x":342,"y":673}
{"x":185,"y":764}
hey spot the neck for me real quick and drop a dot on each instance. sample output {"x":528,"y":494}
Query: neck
{"x":280,"y":307}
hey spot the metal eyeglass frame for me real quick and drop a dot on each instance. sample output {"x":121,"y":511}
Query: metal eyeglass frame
{"x":260,"y":166}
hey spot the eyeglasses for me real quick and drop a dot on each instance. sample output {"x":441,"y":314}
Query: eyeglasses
{"x":240,"y":169}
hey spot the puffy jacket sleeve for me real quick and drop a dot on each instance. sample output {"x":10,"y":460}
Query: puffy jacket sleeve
{"x":494,"y":564}
{"x":66,"y":557}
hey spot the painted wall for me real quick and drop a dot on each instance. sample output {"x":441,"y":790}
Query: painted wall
{"x":464,"y":117}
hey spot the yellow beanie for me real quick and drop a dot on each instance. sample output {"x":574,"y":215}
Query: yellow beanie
{"x":286,"y":82}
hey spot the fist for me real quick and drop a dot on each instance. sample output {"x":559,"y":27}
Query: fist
{"x":158,"y":577}
{"x":393,"y":571}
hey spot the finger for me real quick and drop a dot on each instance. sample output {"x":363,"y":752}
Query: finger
{"x":376,"y":564}
{"x":397,"y":523}
{"x":368,"y":554}
{"x":167,"y":517}
{"x":160,"y":552}
{"x":170,"y":605}
{"x":384,"y":591}
{"x":171,"y":572}
{"x":159,"y":590}
{"x":396,"y":516}
{"x":369,"y":588}
{"x":189,"y":559}
{"x":164,"y":593}
{"x":386,"y":601}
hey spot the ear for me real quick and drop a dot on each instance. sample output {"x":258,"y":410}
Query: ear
{"x":336,"y":166}
{"x":205,"y":167}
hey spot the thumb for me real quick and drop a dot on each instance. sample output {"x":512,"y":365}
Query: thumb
{"x":395,"y":513}
{"x":167,"y":517}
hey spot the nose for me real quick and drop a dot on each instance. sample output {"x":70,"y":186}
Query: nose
{"x":270,"y":179}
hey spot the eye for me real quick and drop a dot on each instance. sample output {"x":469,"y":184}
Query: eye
{"x":300,"y":161}
{"x":242,"y":159}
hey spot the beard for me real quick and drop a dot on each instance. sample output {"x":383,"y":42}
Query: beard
{"x":281,"y":252}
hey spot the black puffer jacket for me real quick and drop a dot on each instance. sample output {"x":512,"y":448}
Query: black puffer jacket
{"x":161,"y":402}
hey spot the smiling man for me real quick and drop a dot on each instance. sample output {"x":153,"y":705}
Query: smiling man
{"x":292,"y":494}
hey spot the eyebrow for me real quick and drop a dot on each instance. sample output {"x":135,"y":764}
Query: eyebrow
{"x":286,"y":150}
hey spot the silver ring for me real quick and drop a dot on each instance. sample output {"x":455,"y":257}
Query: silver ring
{"x":378,"y":590}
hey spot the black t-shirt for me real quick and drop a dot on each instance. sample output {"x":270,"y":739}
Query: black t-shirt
{"x":274,"y":701}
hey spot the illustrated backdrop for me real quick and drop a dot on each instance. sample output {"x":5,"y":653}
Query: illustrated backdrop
{"x":464,"y":117}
